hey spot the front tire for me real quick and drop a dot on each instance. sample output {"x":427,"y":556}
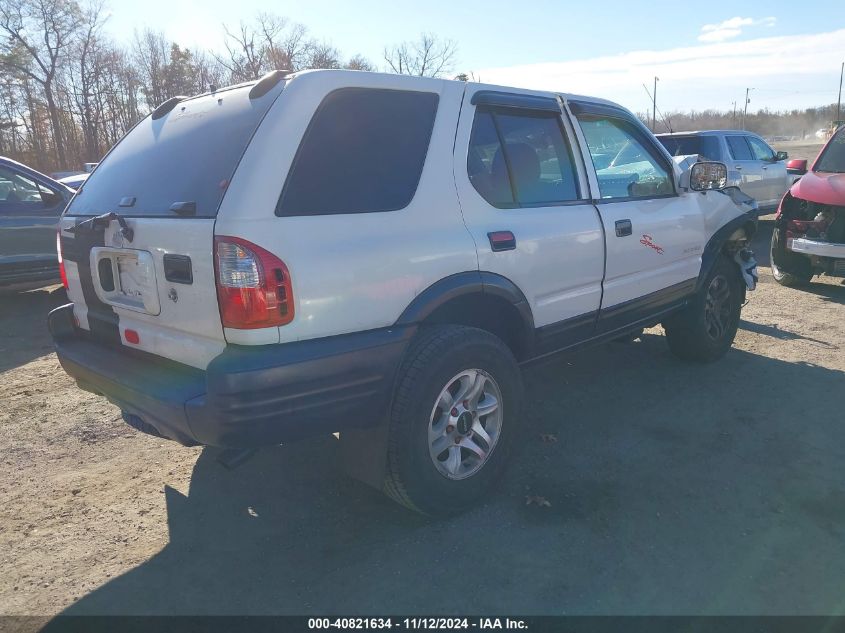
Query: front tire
{"x":705,"y":330}
{"x":788,"y":269}
{"x":454,"y":419}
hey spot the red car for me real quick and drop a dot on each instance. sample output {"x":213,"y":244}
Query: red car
{"x":809,"y":235}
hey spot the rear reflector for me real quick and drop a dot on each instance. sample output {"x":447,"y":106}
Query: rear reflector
{"x":253,"y":286}
{"x":131,"y":336}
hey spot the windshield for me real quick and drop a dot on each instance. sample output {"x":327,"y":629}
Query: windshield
{"x":188,"y":155}
{"x":706,"y":146}
{"x":832,"y":158}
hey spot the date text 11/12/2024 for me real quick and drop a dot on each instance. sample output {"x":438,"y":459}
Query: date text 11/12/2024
{"x":416,"y":623}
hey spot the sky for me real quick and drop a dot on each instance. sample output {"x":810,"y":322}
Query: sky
{"x":705,"y":54}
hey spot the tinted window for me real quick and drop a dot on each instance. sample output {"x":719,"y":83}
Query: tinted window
{"x":484,"y":148}
{"x":738,"y":148}
{"x":21,"y":194}
{"x":362,"y":152}
{"x":832,"y":158}
{"x":520,"y":155}
{"x":626,"y":164}
{"x":760,"y":150}
{"x":188,"y":155}
{"x":538,"y":158}
{"x":706,"y":146}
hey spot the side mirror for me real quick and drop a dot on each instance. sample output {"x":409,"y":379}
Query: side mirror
{"x":781,"y":156}
{"x":798,"y":165}
{"x":708,"y":175}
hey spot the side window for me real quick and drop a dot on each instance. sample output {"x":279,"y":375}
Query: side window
{"x":486,"y":166}
{"x":626,"y":164}
{"x":363,"y":152}
{"x":520,"y":158}
{"x":738,"y":148}
{"x":760,"y":150}
{"x":21,"y":194}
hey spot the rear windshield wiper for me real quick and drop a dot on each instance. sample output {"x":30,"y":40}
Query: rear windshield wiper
{"x":103,"y":221}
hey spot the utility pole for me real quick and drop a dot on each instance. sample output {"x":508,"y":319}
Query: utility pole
{"x":733,"y":116}
{"x":654,"y":106}
{"x":745,"y":109}
{"x":839,"y":101}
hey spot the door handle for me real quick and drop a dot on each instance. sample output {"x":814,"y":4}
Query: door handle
{"x":738,"y":167}
{"x":765,"y":166}
{"x":623,"y":228}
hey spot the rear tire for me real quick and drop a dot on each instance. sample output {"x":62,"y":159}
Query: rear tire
{"x":704,"y":331}
{"x":454,"y":419}
{"x":788,"y":269}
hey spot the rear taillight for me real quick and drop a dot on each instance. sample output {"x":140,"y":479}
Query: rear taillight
{"x":62,"y":272}
{"x":253,"y":285}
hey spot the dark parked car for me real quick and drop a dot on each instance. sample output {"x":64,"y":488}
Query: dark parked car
{"x":30,"y":206}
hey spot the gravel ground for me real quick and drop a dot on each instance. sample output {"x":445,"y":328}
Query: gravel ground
{"x":671,"y":489}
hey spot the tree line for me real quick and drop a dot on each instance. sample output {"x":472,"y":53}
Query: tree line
{"x":791,"y":124}
{"x":68,"y":91}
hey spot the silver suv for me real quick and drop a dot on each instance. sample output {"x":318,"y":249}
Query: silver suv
{"x":753,"y":166}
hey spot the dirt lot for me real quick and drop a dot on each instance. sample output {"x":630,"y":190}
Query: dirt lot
{"x":807,"y":149}
{"x":674,"y":489}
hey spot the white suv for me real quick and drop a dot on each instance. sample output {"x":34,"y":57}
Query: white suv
{"x":376,"y":255}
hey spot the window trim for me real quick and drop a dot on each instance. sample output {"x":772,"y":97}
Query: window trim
{"x":525,"y":111}
{"x":309,"y":129}
{"x":495,"y":98}
{"x":654,"y":148}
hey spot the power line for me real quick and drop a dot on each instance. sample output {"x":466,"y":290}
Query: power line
{"x":667,"y":123}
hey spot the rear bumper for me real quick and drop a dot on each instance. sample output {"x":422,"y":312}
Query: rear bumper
{"x":248,"y":396}
{"x":814,"y":247}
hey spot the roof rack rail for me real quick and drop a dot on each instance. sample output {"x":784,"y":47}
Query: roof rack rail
{"x":266,"y":83}
{"x":166,"y":107}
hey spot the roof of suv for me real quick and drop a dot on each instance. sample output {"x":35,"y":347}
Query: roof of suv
{"x":408,"y":78}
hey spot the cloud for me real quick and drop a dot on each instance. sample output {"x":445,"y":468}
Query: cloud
{"x":698,"y":76}
{"x":731,"y":28}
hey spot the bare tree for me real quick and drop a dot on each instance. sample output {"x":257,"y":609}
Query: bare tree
{"x":245,"y":53}
{"x":37,"y":36}
{"x":427,"y":56}
{"x":272,"y":43}
{"x":83,"y":78}
{"x":150,"y":51}
{"x":323,"y":56}
{"x":358,"y":62}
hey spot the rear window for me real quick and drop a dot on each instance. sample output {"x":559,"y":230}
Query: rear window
{"x":706,"y":146}
{"x":363,"y":151}
{"x":188,"y":155}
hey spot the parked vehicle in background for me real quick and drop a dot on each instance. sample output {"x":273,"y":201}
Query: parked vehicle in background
{"x":75,"y":181}
{"x":30,"y":206}
{"x":809,"y":235}
{"x":753,"y":165}
{"x":376,"y":255}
